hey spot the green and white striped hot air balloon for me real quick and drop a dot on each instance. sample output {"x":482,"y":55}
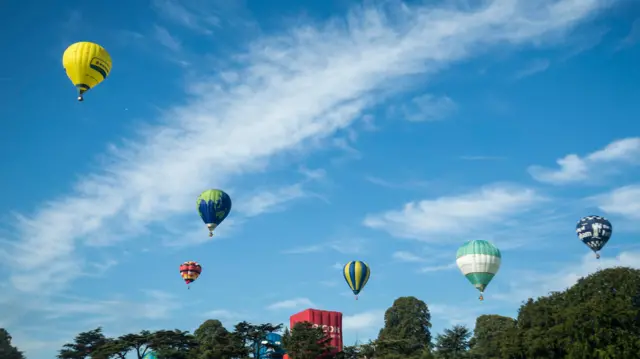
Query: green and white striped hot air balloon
{"x":479,"y":261}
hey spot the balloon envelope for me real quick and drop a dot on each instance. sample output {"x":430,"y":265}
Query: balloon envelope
{"x":87,"y":64}
{"x":356,"y":274}
{"x":594,"y":231}
{"x":479,"y":261}
{"x":213,"y":206}
{"x":150,"y":355}
{"x":190,"y":271}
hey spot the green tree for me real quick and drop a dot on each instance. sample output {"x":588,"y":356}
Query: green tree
{"x":251,"y":335}
{"x":406,"y":331}
{"x":453,"y":343}
{"x":489,"y":334}
{"x":168,"y":344}
{"x":173,"y":344}
{"x":349,"y":352}
{"x":306,"y":342}
{"x":368,"y":350}
{"x":85,"y":345}
{"x":216,"y":342}
{"x":7,"y":350}
{"x":596,"y":318}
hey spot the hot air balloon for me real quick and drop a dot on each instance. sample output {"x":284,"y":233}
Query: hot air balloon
{"x":150,"y":355}
{"x":479,"y":261}
{"x":190,"y":271}
{"x":213,"y":206}
{"x":356,"y":273}
{"x":595,"y":232}
{"x":87,"y":64}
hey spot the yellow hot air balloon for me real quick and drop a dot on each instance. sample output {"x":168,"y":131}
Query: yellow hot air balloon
{"x":87,"y":64}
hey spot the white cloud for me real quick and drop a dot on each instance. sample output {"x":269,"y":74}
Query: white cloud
{"x":284,"y":92}
{"x":329,"y":283}
{"x":632,"y":37}
{"x":459,"y":315}
{"x":200,"y":19}
{"x":534,"y":67}
{"x":373,"y":319}
{"x":427,"y":108}
{"x":533,"y":284}
{"x":623,"y":201}
{"x":429,"y":220}
{"x":296,"y":303}
{"x":431,"y":269}
{"x":223,"y":315}
{"x":592,"y":167}
{"x":412,"y":184}
{"x":268,"y":200}
{"x":482,"y":158}
{"x":337,"y":266}
{"x":166,"y":39}
{"x":350,"y":246}
{"x":313,"y":174}
{"x":403,"y":256}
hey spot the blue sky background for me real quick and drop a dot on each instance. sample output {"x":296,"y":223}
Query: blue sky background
{"x":388,"y":132}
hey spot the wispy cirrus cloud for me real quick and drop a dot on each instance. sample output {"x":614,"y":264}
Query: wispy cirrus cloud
{"x":279,"y":98}
{"x":482,"y":158}
{"x":188,"y":14}
{"x":350,"y":246}
{"x":403,"y":256}
{"x":167,"y":40}
{"x":426,"y":107}
{"x":438,"y":268}
{"x":412,"y":184}
{"x":534,"y":67}
{"x":632,"y":37}
{"x":296,"y":303}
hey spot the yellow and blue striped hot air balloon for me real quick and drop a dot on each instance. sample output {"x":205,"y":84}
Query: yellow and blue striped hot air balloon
{"x":356,"y":273}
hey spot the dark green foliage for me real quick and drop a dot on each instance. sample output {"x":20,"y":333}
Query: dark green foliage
{"x":8,"y":351}
{"x":406,"y":331}
{"x":598,"y":318}
{"x":216,"y":342}
{"x":84,"y":346}
{"x":306,"y":342}
{"x":491,"y":336}
{"x":453,"y":343}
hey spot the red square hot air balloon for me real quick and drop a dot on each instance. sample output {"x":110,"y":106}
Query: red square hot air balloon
{"x":329,"y":321}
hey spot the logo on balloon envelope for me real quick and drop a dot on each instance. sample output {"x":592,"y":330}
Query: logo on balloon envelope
{"x":329,"y":321}
{"x":329,"y":329}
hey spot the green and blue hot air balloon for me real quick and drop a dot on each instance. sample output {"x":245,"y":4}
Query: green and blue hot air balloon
{"x":479,"y":261}
{"x":150,"y":355}
{"x":356,"y":273}
{"x":213,"y":206}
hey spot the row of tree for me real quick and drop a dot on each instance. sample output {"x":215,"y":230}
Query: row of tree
{"x":599,"y":317}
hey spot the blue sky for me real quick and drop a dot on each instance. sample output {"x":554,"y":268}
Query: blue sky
{"x":388,"y":132}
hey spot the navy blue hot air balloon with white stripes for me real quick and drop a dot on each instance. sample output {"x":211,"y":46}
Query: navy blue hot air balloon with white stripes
{"x":356,"y":273}
{"x":595,"y":232}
